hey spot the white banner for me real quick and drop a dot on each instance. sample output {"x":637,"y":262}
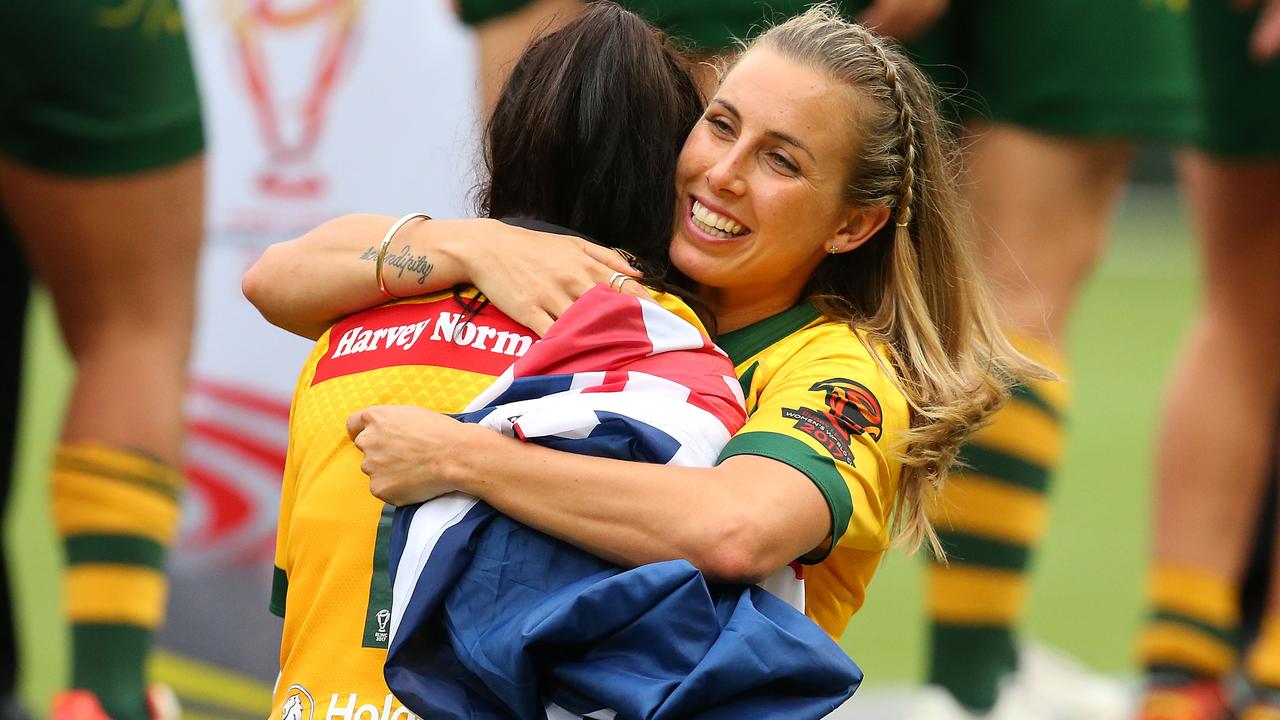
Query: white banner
{"x":313,"y":109}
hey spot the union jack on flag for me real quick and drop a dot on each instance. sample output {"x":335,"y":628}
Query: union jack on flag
{"x":492,"y":619}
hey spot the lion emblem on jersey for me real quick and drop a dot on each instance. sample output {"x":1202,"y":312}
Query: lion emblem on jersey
{"x":851,"y":410}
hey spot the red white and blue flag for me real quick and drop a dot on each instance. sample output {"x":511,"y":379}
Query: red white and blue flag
{"x":492,"y":619}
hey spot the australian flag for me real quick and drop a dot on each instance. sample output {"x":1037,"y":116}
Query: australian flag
{"x":492,"y":619}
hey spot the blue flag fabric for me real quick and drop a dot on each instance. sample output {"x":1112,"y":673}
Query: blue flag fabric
{"x":492,"y":619}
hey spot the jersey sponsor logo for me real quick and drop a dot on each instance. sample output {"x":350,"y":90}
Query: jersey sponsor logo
{"x":298,"y":704}
{"x":348,"y":709}
{"x":434,"y":334}
{"x":851,"y":410}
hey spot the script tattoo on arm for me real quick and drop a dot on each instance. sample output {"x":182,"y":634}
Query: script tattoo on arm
{"x":402,"y":261}
{"x":415,"y":264}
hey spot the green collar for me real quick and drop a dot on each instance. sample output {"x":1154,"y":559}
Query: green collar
{"x":744,"y":343}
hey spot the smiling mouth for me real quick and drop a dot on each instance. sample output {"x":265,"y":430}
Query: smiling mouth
{"x":715,"y":225}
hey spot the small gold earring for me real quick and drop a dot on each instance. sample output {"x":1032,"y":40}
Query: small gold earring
{"x":832,"y":249}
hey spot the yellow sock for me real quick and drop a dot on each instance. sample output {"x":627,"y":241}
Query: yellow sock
{"x":1193,"y":624}
{"x":116,"y":511}
{"x":1263,"y":663}
{"x":992,"y":514}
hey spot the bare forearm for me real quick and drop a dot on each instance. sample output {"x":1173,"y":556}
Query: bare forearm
{"x":741,"y":520}
{"x":730,"y":525}
{"x":307,"y":283}
{"x":642,"y":518}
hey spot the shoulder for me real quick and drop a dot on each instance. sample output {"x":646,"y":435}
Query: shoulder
{"x":824,"y":401}
{"x":830,"y":363}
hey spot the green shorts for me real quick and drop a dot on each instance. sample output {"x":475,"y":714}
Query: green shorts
{"x":96,"y":87}
{"x":702,"y":26}
{"x":1087,"y":68}
{"x":1241,"y":98}
{"x":474,"y":12}
{"x":711,"y":26}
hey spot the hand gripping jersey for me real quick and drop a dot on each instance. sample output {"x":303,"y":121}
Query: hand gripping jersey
{"x":492,"y":619}
{"x":818,"y":401}
{"x":331,"y":582}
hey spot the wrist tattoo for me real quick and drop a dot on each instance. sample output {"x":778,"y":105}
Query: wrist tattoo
{"x":371,"y":254}
{"x":415,"y":264}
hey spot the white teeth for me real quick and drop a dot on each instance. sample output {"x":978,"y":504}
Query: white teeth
{"x":713,"y":222}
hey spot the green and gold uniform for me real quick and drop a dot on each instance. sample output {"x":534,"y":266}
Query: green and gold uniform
{"x":331,"y":583}
{"x":96,"y":87}
{"x":818,"y":400}
{"x":705,"y":26}
{"x":1088,"y":68}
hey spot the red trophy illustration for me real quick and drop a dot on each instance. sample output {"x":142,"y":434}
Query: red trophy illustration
{"x":292,"y":52}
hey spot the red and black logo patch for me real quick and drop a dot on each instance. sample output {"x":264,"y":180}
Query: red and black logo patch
{"x":851,"y":410}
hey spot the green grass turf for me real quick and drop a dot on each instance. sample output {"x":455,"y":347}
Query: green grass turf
{"x":34,"y":554}
{"x":1086,"y":593}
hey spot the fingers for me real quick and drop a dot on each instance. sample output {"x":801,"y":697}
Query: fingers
{"x":627,"y":285}
{"x":613,"y":258}
{"x":635,"y":289}
{"x":538,"y":321}
{"x":357,"y":422}
{"x":902,"y":19}
{"x":885,"y":17}
{"x":1264,"y":45}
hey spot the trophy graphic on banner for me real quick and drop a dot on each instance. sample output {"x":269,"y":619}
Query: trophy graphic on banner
{"x":292,"y":52}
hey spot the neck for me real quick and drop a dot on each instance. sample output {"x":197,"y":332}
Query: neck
{"x":736,"y":308}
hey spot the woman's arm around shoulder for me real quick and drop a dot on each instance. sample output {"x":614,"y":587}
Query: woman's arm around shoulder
{"x":304,"y":285}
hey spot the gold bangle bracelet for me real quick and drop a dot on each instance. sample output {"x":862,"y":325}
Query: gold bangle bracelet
{"x":386,"y":243}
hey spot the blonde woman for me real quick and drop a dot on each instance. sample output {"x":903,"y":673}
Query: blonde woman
{"x":817,"y":216}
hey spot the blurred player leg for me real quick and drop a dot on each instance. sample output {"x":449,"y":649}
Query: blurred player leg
{"x":1058,"y":112}
{"x":1221,"y":401}
{"x":120,"y":263}
{"x":503,"y":28}
{"x":102,"y":181}
{"x":1216,"y":436}
{"x":1044,"y":205}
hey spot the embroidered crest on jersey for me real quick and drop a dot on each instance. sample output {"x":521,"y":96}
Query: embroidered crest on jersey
{"x":852,"y":409}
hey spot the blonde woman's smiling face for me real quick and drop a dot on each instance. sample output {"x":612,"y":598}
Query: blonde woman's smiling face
{"x":760,"y":184}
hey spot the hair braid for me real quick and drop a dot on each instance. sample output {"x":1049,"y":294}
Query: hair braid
{"x":914,"y":289}
{"x":906,"y":126}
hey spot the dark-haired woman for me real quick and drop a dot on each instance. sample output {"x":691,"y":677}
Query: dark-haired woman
{"x":599,"y":159}
{"x":817,"y":216}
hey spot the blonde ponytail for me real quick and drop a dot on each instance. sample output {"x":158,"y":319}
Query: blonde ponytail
{"x":915,"y":288}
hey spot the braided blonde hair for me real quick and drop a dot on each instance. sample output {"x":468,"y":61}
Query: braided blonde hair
{"x":914,"y":288}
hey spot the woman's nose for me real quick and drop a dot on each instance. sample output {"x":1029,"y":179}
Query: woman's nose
{"x":726,"y":175}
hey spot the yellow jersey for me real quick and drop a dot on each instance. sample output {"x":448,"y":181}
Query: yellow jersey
{"x":818,"y":401}
{"x":331,"y":582}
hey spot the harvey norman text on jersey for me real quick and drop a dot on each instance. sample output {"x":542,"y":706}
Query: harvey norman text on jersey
{"x":448,"y":327}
